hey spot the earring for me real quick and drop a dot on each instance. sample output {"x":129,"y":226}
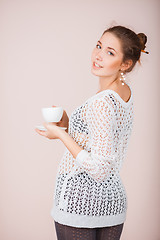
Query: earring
{"x":122,"y":78}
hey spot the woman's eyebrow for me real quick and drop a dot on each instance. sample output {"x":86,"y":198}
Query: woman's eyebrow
{"x":108,"y":47}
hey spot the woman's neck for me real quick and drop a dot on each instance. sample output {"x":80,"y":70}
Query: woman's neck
{"x":110,"y":83}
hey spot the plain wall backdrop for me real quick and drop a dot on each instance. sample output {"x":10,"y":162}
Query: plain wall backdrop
{"x":45,"y":60}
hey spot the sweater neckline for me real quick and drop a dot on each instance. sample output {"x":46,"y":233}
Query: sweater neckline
{"x":124,"y":103}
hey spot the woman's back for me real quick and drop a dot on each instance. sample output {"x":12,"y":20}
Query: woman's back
{"x":90,"y":185}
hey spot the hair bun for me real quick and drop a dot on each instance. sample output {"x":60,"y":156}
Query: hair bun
{"x":143,"y":40}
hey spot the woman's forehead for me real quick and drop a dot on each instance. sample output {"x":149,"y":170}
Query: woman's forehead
{"x":110,"y":40}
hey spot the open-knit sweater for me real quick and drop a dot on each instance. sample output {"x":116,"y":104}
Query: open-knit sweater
{"x":89,"y":191}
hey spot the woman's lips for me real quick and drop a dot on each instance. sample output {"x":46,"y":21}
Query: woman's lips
{"x":96,"y":65}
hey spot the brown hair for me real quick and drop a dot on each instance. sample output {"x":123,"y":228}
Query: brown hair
{"x":131,"y":43}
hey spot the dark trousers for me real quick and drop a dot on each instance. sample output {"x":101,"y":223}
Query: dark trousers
{"x":73,"y":233}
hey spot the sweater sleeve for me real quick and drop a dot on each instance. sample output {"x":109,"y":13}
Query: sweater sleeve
{"x":100,"y":160}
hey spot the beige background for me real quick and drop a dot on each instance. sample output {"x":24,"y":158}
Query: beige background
{"x":45,"y":50}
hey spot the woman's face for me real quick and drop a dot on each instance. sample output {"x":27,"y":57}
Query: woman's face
{"x":108,"y":55}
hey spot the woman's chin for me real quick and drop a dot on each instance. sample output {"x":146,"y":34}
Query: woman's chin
{"x":95,"y":72}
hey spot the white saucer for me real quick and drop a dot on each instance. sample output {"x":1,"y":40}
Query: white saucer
{"x":42,"y":128}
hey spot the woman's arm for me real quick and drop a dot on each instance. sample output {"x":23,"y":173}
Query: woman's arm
{"x":100,"y":161}
{"x":69,"y":142}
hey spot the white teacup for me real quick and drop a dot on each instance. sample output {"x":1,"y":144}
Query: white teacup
{"x":52,"y":114}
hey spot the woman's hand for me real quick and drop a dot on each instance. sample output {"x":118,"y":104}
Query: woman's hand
{"x":53,"y":131}
{"x":64,"y":120}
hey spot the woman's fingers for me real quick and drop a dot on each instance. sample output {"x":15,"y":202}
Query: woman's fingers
{"x":43,"y":133}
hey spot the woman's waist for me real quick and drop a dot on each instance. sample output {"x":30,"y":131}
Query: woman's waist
{"x":81,"y":178}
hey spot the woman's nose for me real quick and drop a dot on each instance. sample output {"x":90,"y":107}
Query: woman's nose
{"x":98,"y":56}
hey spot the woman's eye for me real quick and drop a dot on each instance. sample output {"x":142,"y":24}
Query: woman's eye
{"x":108,"y":51}
{"x":111,"y":53}
{"x":98,"y":45}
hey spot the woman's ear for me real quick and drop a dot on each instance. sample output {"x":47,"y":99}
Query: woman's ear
{"x":127,"y":64}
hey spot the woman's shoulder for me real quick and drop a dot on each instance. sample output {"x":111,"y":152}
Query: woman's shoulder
{"x":101,"y":101}
{"x":111,"y":98}
{"x":124,"y":91}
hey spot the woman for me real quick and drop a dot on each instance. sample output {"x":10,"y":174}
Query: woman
{"x":90,"y":200}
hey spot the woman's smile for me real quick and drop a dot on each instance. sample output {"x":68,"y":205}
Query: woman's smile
{"x":96,"y":65}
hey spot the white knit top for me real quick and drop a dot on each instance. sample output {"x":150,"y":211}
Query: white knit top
{"x":88,"y":190}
